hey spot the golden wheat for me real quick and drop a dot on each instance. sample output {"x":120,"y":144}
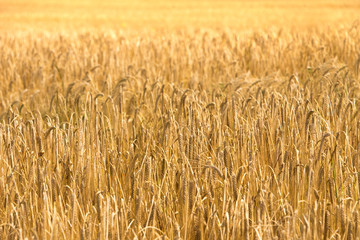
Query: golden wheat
{"x":195,"y":134}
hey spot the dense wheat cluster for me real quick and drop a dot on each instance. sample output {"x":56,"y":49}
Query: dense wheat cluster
{"x":192,"y":134}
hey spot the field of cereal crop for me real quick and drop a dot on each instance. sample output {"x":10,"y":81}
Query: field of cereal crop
{"x":179,"y":119}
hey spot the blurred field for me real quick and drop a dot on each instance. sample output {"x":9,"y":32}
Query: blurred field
{"x":179,"y":120}
{"x":58,"y":15}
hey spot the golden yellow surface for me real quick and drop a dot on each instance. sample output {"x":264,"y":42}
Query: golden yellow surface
{"x":105,"y":14}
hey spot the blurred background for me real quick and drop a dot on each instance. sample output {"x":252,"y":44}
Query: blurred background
{"x":58,"y":15}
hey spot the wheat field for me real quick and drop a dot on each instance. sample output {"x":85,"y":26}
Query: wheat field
{"x":179,"y":120}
